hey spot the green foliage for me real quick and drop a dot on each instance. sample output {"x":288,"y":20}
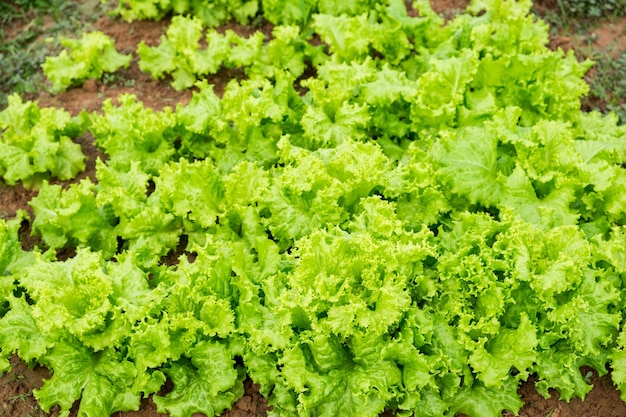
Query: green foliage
{"x":128,"y":132}
{"x":36,"y":143}
{"x":17,"y":9}
{"x":578,"y":22}
{"x":179,"y":54}
{"x":29,"y":31}
{"x":593,"y":8}
{"x":213,"y":13}
{"x":89,"y":58}
{"x":607,"y":87}
{"x":21,"y":59}
{"x":419,"y":224}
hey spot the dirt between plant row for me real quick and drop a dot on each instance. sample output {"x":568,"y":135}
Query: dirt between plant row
{"x":16,"y":387}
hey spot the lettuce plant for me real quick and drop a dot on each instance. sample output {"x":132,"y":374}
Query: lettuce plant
{"x":213,"y":13}
{"x":90,"y":56}
{"x":180,"y":55}
{"x":36,"y":144}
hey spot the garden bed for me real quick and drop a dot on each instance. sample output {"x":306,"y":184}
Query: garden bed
{"x":16,"y":386}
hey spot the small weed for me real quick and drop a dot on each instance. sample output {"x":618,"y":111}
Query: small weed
{"x":19,"y":397}
{"x":116,"y":79}
{"x":15,"y":376}
{"x":608,"y":84}
{"x":578,"y":17}
{"x":30,"y":30}
{"x":35,"y":411}
{"x":593,"y":8}
{"x":554,"y":20}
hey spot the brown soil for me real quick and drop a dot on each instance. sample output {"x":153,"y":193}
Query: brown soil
{"x":603,"y":401}
{"x":448,"y":8}
{"x":16,"y":399}
{"x":610,"y":35}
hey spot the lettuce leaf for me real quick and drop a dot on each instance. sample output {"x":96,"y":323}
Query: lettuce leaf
{"x":72,"y":217}
{"x":209,"y":383}
{"x":103,"y":381}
